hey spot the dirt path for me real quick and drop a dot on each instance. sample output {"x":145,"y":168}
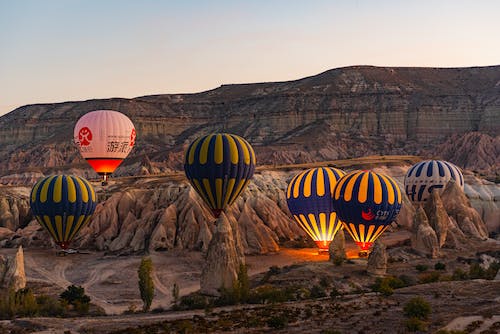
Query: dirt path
{"x":112,"y":283}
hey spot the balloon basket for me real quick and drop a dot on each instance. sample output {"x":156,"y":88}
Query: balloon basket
{"x":363,"y":253}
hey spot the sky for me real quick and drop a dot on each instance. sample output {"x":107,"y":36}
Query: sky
{"x":69,"y":50}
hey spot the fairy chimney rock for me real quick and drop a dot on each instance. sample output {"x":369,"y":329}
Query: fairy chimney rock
{"x":337,"y":246}
{"x":222,"y":261}
{"x":424,"y":239}
{"x":12,"y":271}
{"x":458,"y":207}
{"x":438,"y":218}
{"x":377,"y":260}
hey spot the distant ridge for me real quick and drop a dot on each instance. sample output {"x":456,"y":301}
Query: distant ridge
{"x":340,"y":113}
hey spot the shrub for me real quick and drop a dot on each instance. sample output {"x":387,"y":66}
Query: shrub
{"x":146,"y":285}
{"x":440,"y":266}
{"x":191,"y":302}
{"x":421,"y":267}
{"x":387,"y":285}
{"x":429,"y":277}
{"x":415,"y":325}
{"x":75,"y":296}
{"x":317,"y":292}
{"x":278,"y":321}
{"x":459,"y":275}
{"x":417,"y":307}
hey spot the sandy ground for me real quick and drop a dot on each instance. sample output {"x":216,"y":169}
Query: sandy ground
{"x":111,"y":281}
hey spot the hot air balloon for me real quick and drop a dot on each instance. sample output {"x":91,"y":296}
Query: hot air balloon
{"x":105,"y":138}
{"x":309,"y":198}
{"x":219,"y":167}
{"x":63,"y":204}
{"x":425,"y":176}
{"x":367,"y":203}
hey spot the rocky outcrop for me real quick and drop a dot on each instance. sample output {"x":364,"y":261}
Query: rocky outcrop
{"x":12,"y":274}
{"x":423,"y":238}
{"x":484,"y":196}
{"x":459,"y":208}
{"x":345,"y":112}
{"x":14,"y":209}
{"x":222,"y":262}
{"x":337,"y":247}
{"x":377,"y":260}
{"x":438,"y":218}
{"x":159,"y":214}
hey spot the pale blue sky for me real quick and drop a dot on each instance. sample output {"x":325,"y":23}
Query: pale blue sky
{"x":62,"y":50}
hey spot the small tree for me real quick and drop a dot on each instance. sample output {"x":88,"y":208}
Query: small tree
{"x":75,"y":296}
{"x":146,"y":285}
{"x":418,"y":308}
{"x":175,"y":293}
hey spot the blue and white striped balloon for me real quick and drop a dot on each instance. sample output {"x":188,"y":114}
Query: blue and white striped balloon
{"x":425,"y":176}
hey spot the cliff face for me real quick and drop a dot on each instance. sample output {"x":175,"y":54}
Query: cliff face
{"x":340,"y":113}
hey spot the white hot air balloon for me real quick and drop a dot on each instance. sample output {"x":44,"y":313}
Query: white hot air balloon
{"x":425,"y":176}
{"x":105,"y":138}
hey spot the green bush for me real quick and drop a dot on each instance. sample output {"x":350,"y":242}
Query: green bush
{"x":386,"y":285}
{"x":75,"y":296}
{"x":476,"y":271}
{"x":421,"y":267}
{"x":417,"y":307}
{"x":429,"y":277}
{"x":415,"y":325}
{"x":317,"y":292}
{"x":459,"y":275}
{"x":440,"y":266}
{"x":191,"y":302}
{"x":24,"y":303}
{"x":278,"y":321}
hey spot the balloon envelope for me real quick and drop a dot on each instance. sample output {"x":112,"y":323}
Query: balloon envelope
{"x":309,"y":197}
{"x":105,"y":138}
{"x":425,"y":176}
{"x":367,"y":203}
{"x":219,"y":167}
{"x":63,"y":204}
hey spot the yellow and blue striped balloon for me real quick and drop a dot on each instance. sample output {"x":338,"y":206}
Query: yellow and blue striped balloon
{"x":310,"y":200}
{"x":63,"y":204}
{"x":219,"y":167}
{"x":367,"y":203}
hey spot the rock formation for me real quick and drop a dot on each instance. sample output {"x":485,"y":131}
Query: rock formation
{"x":438,"y":218}
{"x":345,"y":112}
{"x":484,"y":196}
{"x":12,"y":273}
{"x":337,"y":247}
{"x":424,"y":239}
{"x":377,"y":260}
{"x":222,"y":261}
{"x":459,"y":208}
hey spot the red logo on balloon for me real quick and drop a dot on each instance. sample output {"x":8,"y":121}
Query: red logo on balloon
{"x":132,"y":138}
{"x":367,"y":215}
{"x":85,"y":136}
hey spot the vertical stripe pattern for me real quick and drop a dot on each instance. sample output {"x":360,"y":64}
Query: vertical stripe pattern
{"x":309,"y":198}
{"x":63,"y":204}
{"x":367,"y":203}
{"x":426,"y":176}
{"x":219,"y":167}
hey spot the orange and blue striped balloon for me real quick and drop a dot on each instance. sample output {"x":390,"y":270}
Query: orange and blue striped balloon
{"x":63,"y":204}
{"x":219,"y":167}
{"x":367,"y":203}
{"x":309,"y":198}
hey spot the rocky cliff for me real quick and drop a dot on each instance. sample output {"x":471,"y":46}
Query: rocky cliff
{"x":345,"y":112}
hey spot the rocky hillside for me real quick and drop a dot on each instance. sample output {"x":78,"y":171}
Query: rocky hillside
{"x":452,"y":113}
